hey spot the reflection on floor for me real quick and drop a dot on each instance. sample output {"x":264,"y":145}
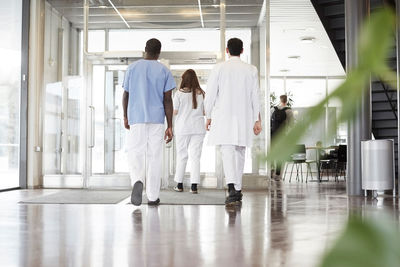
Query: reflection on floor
{"x":288,"y":225}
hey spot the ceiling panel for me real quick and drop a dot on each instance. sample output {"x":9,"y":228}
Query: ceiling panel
{"x":143,"y":14}
{"x":292,"y":20}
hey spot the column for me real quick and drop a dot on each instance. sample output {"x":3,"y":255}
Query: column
{"x":360,"y":127}
{"x":219,"y":171}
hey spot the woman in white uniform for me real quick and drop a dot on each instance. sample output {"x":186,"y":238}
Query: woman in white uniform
{"x":189,"y":129}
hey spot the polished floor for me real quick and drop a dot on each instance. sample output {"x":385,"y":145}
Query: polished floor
{"x":287,"y":225}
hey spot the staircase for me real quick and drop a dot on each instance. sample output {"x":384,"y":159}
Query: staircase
{"x":383,"y":97}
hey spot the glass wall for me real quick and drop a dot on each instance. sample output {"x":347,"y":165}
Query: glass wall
{"x":304,"y":93}
{"x":10,"y":90}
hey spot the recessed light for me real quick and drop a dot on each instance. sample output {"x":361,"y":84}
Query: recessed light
{"x":178,"y":40}
{"x":307,"y":40}
{"x":284,"y":70}
{"x":294,"y":57}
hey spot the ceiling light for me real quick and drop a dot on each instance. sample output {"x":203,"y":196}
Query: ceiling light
{"x":102,"y":6}
{"x":201,"y":13}
{"x":178,"y":40}
{"x":284,"y":70}
{"x":120,"y":15}
{"x":307,"y":40}
{"x":294,"y":57}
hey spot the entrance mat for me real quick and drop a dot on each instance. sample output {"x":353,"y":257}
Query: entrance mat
{"x":81,"y":196}
{"x":204,"y":197}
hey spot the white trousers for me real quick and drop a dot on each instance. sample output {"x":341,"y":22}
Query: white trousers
{"x":233,"y":161}
{"x":144,"y":145}
{"x":188,"y":146}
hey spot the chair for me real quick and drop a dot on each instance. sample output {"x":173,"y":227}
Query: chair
{"x":309,"y":170}
{"x":298,"y":158}
{"x":341,"y":162}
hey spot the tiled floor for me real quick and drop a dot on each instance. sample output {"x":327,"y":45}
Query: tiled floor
{"x":287,"y":225}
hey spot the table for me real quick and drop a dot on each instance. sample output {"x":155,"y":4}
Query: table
{"x":318,"y":160}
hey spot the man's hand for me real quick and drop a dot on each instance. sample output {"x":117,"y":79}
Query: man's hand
{"x":208,"y":124}
{"x":168,"y":135}
{"x":126,"y":123}
{"x":257,"y":128}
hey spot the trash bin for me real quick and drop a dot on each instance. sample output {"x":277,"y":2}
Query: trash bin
{"x":377,"y":164}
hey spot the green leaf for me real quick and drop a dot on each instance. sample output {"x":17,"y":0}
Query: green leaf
{"x":365,"y":244}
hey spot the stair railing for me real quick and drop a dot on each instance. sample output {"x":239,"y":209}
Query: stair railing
{"x":386,"y":91}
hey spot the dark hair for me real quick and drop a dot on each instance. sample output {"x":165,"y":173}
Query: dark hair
{"x":235,"y":46}
{"x":153,"y":47}
{"x":283,"y":98}
{"x":190,"y":81}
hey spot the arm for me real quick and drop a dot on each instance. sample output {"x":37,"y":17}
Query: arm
{"x":125,"y":100}
{"x":255,"y":101}
{"x":168,"y":107}
{"x":176,"y":103}
{"x":211,"y":95}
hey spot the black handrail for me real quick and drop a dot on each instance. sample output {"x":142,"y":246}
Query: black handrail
{"x":389,"y":99}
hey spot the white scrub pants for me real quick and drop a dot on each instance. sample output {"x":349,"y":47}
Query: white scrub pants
{"x":144,"y":145}
{"x":188,"y":146}
{"x":233,"y":161}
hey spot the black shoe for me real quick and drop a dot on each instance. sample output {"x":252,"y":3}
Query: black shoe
{"x":154,"y":203}
{"x":240,"y":195}
{"x":193,"y":189}
{"x":136,"y":196}
{"x":233,"y":198}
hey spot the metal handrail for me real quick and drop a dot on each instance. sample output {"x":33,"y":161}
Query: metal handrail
{"x":389,"y":99}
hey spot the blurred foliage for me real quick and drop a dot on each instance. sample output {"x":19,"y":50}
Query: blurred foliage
{"x":365,"y":243}
{"x":376,"y":38}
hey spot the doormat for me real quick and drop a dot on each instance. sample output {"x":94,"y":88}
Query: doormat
{"x":81,"y":196}
{"x":204,"y":197}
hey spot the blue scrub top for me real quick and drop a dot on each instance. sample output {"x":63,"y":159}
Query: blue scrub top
{"x":146,"y":81}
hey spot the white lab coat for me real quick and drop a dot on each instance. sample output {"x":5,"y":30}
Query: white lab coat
{"x":232,"y":102}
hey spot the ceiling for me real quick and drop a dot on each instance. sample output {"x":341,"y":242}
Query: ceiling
{"x":290,"y":20}
{"x":143,"y":14}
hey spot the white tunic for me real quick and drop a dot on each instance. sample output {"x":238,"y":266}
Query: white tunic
{"x":232,"y":102}
{"x":189,"y":120}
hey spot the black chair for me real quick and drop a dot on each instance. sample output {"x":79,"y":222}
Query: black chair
{"x":341,"y":162}
{"x":328,"y":163}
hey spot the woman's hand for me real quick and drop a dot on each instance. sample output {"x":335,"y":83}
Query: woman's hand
{"x":208,"y":124}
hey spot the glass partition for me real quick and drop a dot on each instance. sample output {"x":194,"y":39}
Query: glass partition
{"x":305,"y":93}
{"x":10,"y":91}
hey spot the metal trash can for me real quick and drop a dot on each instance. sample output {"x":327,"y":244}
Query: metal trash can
{"x":377,"y":165}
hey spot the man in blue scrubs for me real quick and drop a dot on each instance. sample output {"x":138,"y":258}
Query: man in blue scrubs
{"x":146,"y":102}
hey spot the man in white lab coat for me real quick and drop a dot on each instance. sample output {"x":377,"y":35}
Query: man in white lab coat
{"x":233,"y":114}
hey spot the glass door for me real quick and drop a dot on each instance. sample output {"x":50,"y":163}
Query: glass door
{"x":108,"y":162}
{"x":63,"y":133}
